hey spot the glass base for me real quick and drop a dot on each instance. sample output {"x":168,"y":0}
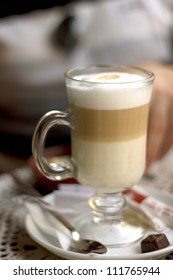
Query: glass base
{"x":113,"y":229}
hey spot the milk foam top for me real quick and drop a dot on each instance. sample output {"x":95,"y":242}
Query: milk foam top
{"x":109,"y":91}
{"x":109,"y":77}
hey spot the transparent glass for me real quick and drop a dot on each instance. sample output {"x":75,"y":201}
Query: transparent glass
{"x":108,"y":116}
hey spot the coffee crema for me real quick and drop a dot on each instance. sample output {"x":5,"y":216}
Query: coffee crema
{"x":108,"y":77}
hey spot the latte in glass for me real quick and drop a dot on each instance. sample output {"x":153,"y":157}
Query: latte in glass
{"x":109,"y":115}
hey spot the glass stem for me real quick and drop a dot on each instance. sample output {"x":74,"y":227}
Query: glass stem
{"x":107,"y":207}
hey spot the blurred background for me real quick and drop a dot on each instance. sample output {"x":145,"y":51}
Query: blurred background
{"x":32,"y":66}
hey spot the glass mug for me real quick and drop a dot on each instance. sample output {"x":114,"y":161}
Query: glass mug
{"x":108,"y":116}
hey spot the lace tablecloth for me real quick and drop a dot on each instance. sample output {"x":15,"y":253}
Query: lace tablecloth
{"x":15,"y":243}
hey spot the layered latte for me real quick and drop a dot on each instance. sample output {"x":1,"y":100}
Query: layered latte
{"x":109,"y":124}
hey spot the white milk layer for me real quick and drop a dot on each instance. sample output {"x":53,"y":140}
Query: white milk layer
{"x":109,"y":166}
{"x":109,"y":94}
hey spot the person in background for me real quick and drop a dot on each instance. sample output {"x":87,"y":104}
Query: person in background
{"x":65,"y":34}
{"x":160,"y":129}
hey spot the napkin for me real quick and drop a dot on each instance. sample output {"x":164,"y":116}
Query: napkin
{"x":55,"y":232}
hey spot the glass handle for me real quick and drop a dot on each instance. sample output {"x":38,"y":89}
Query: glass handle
{"x":53,"y":171}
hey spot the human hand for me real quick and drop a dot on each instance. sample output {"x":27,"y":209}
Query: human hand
{"x":160,"y":127}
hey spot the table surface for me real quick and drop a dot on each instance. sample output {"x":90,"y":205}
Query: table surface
{"x":15,"y":243}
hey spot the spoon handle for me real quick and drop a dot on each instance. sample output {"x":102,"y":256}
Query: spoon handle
{"x":57,"y":215}
{"x":34,"y":196}
{"x":45,"y":205}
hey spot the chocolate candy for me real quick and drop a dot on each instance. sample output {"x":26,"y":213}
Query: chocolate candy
{"x":154,"y":242}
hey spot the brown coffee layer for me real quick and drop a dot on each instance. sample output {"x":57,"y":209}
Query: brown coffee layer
{"x":110,"y":125}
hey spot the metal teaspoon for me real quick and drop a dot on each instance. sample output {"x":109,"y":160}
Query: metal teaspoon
{"x":78,"y":244}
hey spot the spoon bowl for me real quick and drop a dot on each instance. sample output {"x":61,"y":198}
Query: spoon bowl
{"x":86,"y":246}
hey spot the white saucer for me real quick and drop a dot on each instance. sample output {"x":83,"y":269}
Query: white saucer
{"x":62,"y":200}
